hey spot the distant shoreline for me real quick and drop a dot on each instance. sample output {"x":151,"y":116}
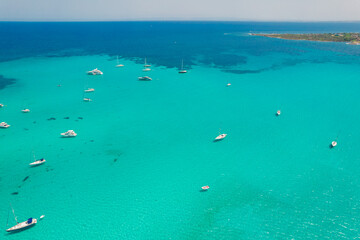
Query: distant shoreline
{"x":348,"y":38}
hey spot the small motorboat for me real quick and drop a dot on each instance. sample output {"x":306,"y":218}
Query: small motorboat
{"x":25,"y":110}
{"x":86,"y":99}
{"x":23,"y":225}
{"x":4,"y":125}
{"x":42,"y":216}
{"x":95,"y":72}
{"x":38,"y":162}
{"x":205,"y":188}
{"x":220,"y":137}
{"x":119,"y":65}
{"x":333,"y":144}
{"x":228,"y":85}
{"x":89,"y":90}
{"x":146,"y":69}
{"x":146,"y":78}
{"x":1,"y":105}
{"x":278,"y":113}
{"x":69,"y":133}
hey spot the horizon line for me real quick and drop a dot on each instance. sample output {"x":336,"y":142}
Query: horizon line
{"x":195,"y":20}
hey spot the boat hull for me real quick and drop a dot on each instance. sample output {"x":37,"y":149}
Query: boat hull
{"x":22,"y":226}
{"x":67,"y":136}
{"x":37,"y":163}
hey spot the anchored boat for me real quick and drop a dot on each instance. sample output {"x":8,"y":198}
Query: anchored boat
{"x":89,"y":90}
{"x":146,"y":78}
{"x":69,"y":133}
{"x":182,"y":70}
{"x":23,"y":225}
{"x":205,"y":188}
{"x":220,"y":137}
{"x":38,"y":162}
{"x":95,"y":72}
{"x":118,"y":64}
{"x":4,"y":125}
{"x":146,"y":65}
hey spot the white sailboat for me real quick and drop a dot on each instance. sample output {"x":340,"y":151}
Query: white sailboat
{"x":23,"y":225}
{"x":118,"y":64}
{"x":37,"y":162}
{"x":146,"y":65}
{"x":221,"y":136}
{"x":182,"y":67}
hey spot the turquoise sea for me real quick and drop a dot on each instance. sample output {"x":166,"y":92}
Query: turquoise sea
{"x":145,"y":149}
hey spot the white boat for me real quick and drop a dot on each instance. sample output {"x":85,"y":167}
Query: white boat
{"x":86,"y":99}
{"x":23,"y":225}
{"x":4,"y":125}
{"x":95,"y":72}
{"x":146,"y":78}
{"x":37,"y":162}
{"x":278,"y":113}
{"x":182,"y":70}
{"x":25,"y":110}
{"x":89,"y":90}
{"x":229,"y":84}
{"x":69,"y":133}
{"x":333,"y":144}
{"x":146,"y":69}
{"x":146,"y":65}
{"x":1,"y":105}
{"x":118,"y":64}
{"x":220,"y":137}
{"x":205,"y":188}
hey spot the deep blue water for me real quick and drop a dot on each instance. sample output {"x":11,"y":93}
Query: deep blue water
{"x":163,"y":43}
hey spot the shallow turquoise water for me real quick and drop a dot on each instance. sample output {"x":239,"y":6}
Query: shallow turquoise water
{"x":144,"y":149}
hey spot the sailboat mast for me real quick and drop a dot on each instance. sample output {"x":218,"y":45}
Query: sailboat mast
{"x":182,"y":64}
{"x":14,"y":213}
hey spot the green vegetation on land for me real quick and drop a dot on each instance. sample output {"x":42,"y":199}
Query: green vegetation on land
{"x":352,"y":38}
